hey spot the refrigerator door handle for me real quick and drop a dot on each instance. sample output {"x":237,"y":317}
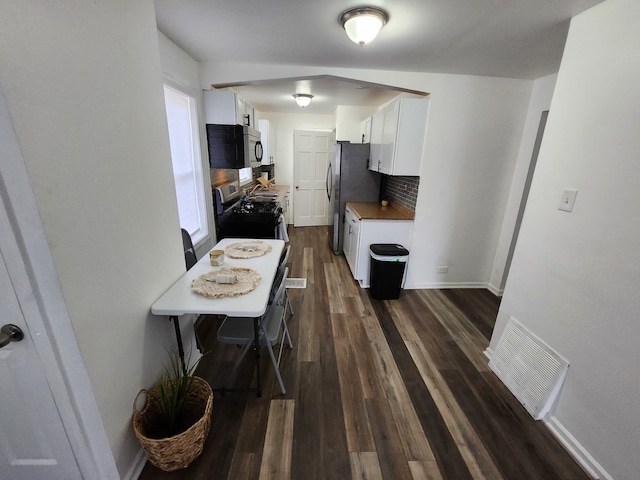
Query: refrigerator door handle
{"x":327,"y":182}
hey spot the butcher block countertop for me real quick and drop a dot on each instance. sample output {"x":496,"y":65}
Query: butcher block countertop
{"x":375,"y":211}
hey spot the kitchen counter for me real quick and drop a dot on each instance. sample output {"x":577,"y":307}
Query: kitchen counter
{"x":282,"y":190}
{"x":375,"y":211}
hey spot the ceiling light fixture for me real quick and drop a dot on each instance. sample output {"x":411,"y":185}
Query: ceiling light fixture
{"x":303,"y":99}
{"x":363,"y":24}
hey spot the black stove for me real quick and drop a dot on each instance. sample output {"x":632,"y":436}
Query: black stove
{"x":250,"y":219}
{"x":248,"y":207}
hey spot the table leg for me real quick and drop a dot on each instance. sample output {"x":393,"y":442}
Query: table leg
{"x":256,"y":350}
{"x":176,"y":326}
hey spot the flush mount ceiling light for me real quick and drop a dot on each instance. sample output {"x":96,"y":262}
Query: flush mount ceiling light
{"x":363,"y":24}
{"x":303,"y":99}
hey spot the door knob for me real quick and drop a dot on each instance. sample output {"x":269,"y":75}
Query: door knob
{"x":10,"y":333}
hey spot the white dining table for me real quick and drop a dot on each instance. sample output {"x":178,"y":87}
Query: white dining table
{"x":180,"y":299}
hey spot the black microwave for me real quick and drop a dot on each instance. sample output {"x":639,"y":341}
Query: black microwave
{"x":233,"y":146}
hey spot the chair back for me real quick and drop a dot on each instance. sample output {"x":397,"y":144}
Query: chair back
{"x":280,"y":283}
{"x":285,"y":256}
{"x":283,"y":262}
{"x":189,"y":252}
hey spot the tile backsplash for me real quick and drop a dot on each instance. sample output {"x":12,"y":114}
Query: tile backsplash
{"x":222,"y":176}
{"x":402,"y":190}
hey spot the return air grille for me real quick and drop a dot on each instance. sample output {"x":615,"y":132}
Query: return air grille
{"x":531,"y":369}
{"x":295,"y":283}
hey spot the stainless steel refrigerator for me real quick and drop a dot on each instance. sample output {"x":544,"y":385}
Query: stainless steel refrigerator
{"x":349,"y":179}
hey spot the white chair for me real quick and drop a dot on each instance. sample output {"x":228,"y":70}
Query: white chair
{"x":283,"y":262}
{"x":272,"y":327}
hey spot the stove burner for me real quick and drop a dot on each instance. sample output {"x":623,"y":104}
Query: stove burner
{"x":251,"y":207}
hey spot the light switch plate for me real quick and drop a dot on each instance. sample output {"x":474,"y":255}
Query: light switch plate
{"x":567,"y":200}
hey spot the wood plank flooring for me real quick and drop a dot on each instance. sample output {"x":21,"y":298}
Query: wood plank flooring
{"x":376,"y":390}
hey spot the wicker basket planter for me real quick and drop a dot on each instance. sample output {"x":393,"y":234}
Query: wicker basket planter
{"x":178,"y":451}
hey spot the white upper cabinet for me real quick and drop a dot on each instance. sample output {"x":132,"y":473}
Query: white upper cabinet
{"x":397,"y":137}
{"x":375,"y":152}
{"x":226,"y":107}
{"x":365,"y":130}
{"x":268,"y":139}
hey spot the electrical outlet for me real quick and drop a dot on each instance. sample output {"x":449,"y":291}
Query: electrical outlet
{"x":567,"y":200}
{"x":443,"y":269}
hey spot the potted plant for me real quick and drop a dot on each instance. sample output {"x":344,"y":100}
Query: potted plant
{"x":174,"y":422}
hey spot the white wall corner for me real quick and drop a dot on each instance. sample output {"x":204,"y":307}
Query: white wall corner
{"x":495,"y":290}
{"x":138,"y":464}
{"x":575,"y":449}
{"x":440,"y":285}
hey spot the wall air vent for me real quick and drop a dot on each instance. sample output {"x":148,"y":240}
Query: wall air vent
{"x":530,"y":369}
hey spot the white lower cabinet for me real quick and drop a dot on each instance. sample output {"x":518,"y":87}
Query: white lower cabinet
{"x":360,"y":234}
{"x":285,"y":208}
{"x":351,"y":237}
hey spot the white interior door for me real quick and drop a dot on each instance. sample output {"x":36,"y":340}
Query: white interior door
{"x":33,"y":442}
{"x":50,"y":426}
{"x":313,"y":151}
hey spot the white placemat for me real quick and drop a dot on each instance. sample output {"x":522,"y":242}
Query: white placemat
{"x":247,"y":249}
{"x":206,"y":285}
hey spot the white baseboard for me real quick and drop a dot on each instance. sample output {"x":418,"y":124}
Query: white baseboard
{"x":488,"y":352}
{"x":569,"y":442}
{"x":495,"y":290}
{"x":136,"y":468}
{"x":576,"y":450}
{"x":441,"y":285}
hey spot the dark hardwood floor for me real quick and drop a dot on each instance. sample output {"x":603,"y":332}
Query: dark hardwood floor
{"x":394,"y":390}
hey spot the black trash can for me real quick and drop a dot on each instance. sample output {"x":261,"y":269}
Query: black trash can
{"x":388,"y":261}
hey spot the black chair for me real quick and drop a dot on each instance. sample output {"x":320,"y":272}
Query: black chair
{"x":189,"y":252}
{"x":190,"y":260}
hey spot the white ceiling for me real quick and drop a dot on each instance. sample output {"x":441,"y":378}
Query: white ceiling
{"x":499,"y":38}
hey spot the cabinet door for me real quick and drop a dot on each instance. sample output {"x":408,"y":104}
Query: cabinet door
{"x":389,"y":133}
{"x":365,"y":130}
{"x":240,"y":109}
{"x":354,"y":245}
{"x":265,"y":138}
{"x":410,"y":134}
{"x":221,"y":107}
{"x":273,"y":144}
{"x":377,"y":126}
{"x":350,"y":238}
{"x":285,"y":208}
{"x":249,"y":115}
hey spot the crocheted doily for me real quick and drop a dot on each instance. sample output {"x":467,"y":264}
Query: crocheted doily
{"x":247,"y":249}
{"x":206,"y":285}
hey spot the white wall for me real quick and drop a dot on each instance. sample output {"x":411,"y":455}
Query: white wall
{"x":540,"y":101}
{"x":574,"y":278}
{"x":83,"y":85}
{"x":472,"y":144}
{"x":473,"y":135}
{"x":176,"y":64}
